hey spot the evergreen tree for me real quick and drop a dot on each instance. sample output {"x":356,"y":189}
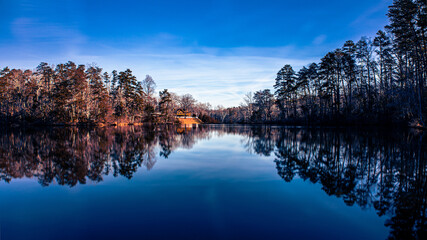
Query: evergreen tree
{"x":100,"y":104}
{"x":165,"y":106}
{"x":285,"y":84}
{"x":129,"y":97}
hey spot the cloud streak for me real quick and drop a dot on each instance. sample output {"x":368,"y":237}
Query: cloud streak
{"x":220,"y":76}
{"x":217,"y":76}
{"x":244,"y":46}
{"x":218,"y":79}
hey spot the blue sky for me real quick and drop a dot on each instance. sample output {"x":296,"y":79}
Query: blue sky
{"x":215,"y":50}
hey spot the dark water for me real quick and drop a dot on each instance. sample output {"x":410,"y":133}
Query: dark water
{"x":212,"y":182}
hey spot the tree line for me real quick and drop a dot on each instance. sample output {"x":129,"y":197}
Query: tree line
{"x":78,"y":94}
{"x":372,"y":81}
{"x":380,"y":80}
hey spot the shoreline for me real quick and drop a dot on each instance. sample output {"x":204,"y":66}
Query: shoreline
{"x":147,"y":124}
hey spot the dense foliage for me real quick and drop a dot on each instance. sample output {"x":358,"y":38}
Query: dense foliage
{"x":67,"y":93}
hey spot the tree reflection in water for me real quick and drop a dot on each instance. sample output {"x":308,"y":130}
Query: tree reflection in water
{"x":383,"y":170}
{"x":373,"y":169}
{"x":70,"y":156}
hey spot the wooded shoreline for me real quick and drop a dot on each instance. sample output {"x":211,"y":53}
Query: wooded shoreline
{"x":374,"y":81}
{"x":37,"y":125}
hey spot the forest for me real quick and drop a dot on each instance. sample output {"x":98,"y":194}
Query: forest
{"x":77,"y":94}
{"x":85,"y":95}
{"x":379,"y":80}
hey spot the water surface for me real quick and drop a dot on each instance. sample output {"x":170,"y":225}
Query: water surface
{"x":212,"y":182}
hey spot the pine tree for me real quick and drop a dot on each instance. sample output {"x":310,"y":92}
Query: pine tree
{"x":285,"y":84}
{"x":165,"y":106}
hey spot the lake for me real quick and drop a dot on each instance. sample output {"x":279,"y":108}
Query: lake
{"x":212,"y":182}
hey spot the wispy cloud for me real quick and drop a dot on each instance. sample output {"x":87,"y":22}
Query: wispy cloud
{"x":319,"y":39}
{"x":31,"y":36}
{"x":220,"y":76}
{"x":218,"y":79}
{"x":371,"y":18}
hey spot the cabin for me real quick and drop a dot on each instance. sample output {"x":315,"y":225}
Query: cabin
{"x":182,"y":113}
{"x":186,"y":118}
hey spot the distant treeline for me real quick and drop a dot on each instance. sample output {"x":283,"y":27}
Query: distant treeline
{"x":78,"y":94}
{"x":372,"y":81}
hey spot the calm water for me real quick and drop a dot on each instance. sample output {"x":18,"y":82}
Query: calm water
{"x":212,"y":182}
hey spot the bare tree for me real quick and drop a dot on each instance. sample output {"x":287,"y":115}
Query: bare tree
{"x":222,"y":112}
{"x":248,"y":105}
{"x":148,"y":86}
{"x":187,"y":102}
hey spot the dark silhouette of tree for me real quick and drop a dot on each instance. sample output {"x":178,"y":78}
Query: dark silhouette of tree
{"x":285,"y":84}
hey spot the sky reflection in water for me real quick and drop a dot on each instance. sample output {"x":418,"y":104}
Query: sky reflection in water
{"x":211,"y":182}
